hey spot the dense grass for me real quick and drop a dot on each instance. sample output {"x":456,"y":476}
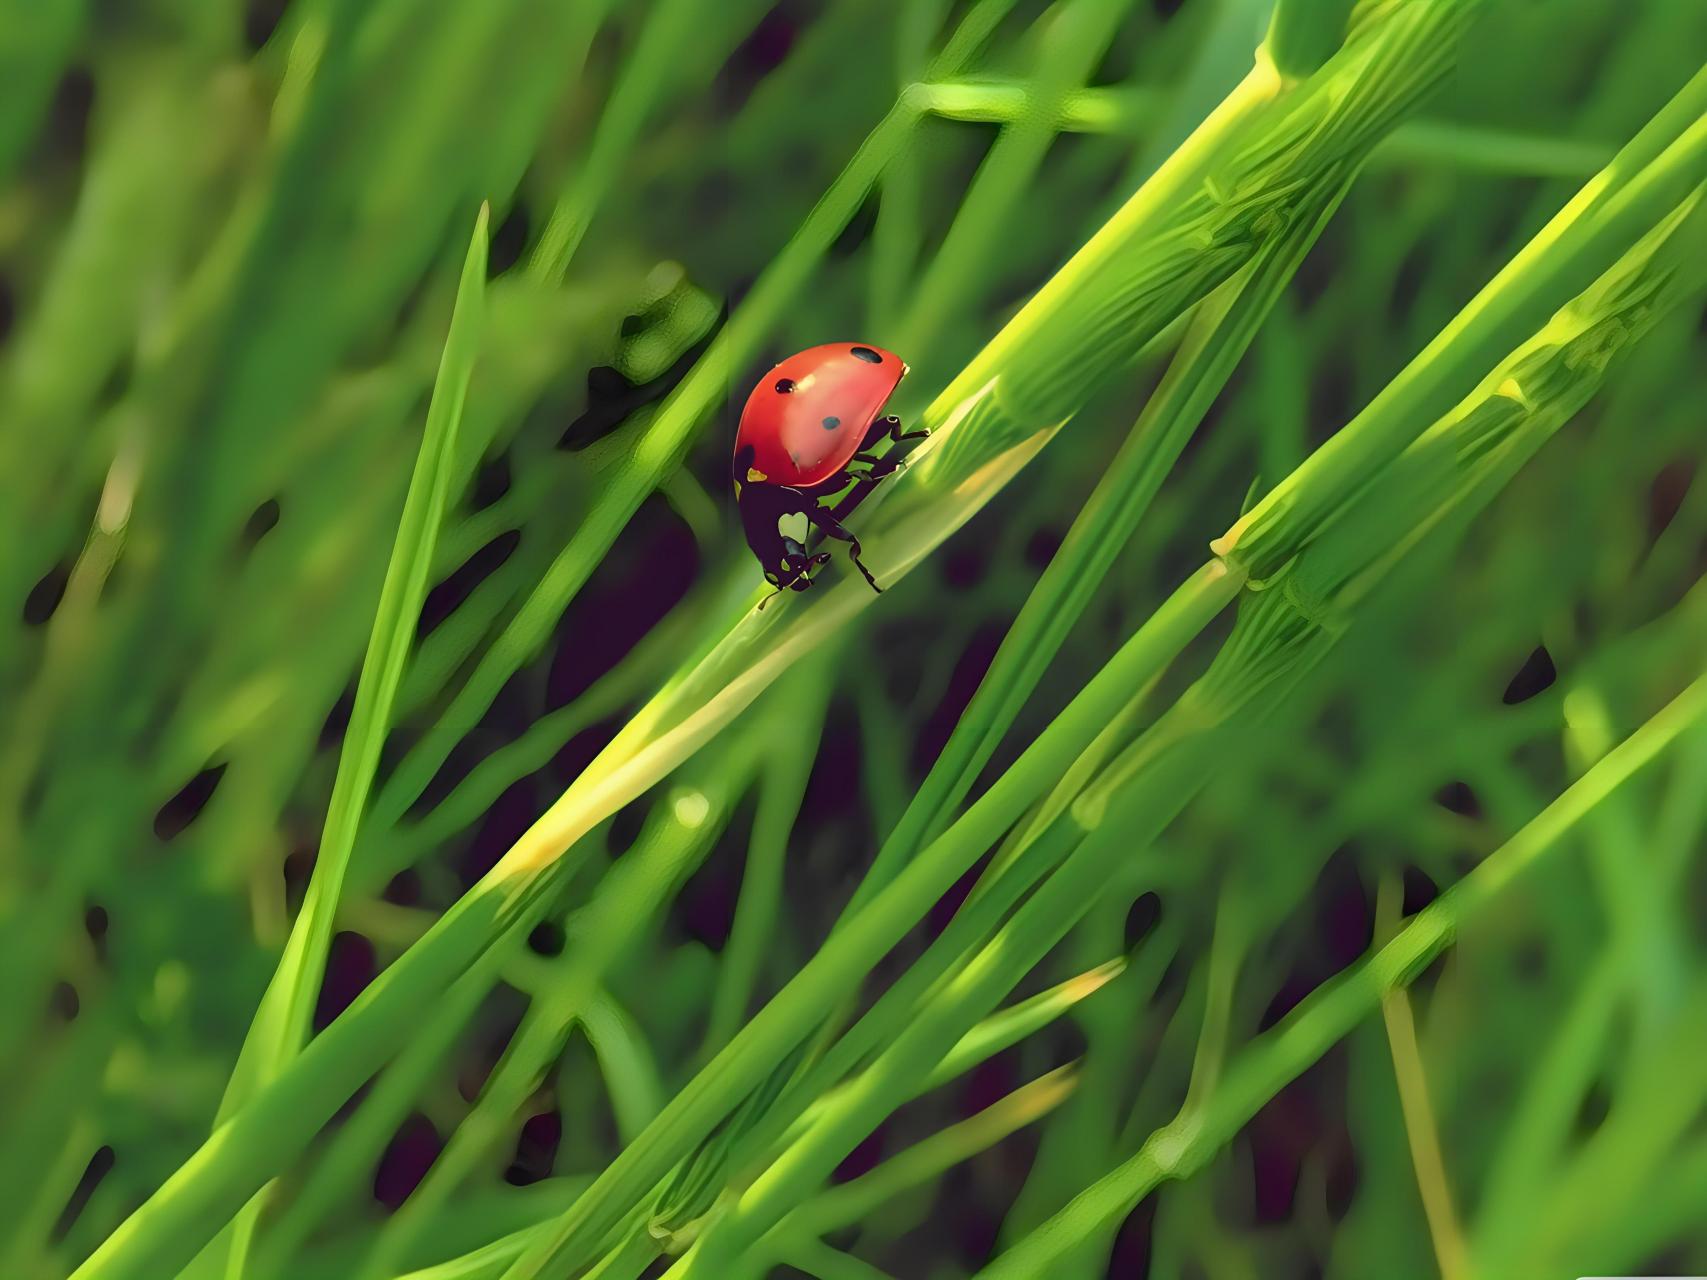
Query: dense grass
{"x":1258,"y":830}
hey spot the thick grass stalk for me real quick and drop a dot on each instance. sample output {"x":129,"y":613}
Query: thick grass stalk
{"x":1303,"y":34}
{"x":1280,"y":635}
{"x":1036,"y":927}
{"x":844,"y":959}
{"x":1647,"y":177}
{"x":1218,"y":336}
{"x":680,"y":832}
{"x":1278,"y":641}
{"x":1157,"y":257}
{"x":1182,"y":1147}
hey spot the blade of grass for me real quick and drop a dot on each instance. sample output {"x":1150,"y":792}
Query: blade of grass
{"x":1182,"y":1147}
{"x":1647,"y":177}
{"x":282,"y":1019}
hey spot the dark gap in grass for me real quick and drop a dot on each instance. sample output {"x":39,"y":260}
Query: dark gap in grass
{"x":448,"y":596}
{"x":1536,"y":675}
{"x":1345,"y":921}
{"x":1298,"y":1120}
{"x":867,"y":1154}
{"x":118,"y":379}
{"x":64,"y":1002}
{"x":1413,"y":269}
{"x":626,"y":825}
{"x":1332,"y":395}
{"x":646,"y":574}
{"x":502,"y":1015}
{"x":261,"y":19}
{"x":969,"y":669}
{"x":580,"y":751}
{"x":897,"y":642}
{"x":1320,"y":266}
{"x":44,"y":597}
{"x":1512,"y":221}
{"x":350,"y":966}
{"x":1672,"y":1260}
{"x":1341,"y":1177}
{"x":491,"y":482}
{"x":1595,"y":1106}
{"x":858,"y":230}
{"x":834,"y":831}
{"x":536,"y":1149}
{"x":715,"y":196}
{"x":337,"y":718}
{"x":1419,"y":889}
{"x":99,"y":1166}
{"x":1141,"y":918}
{"x":403,"y":889}
{"x":976,"y":1194}
{"x":964,"y":563}
{"x":1666,"y":494}
{"x":611,"y":398}
{"x":704,"y":910}
{"x":765,"y":49}
{"x":948,"y":906}
{"x":96,"y":923}
{"x":8,"y":307}
{"x":1129,"y":1259}
{"x":405,"y":1161}
{"x":296,"y":869}
{"x":510,"y":240}
{"x":1529,"y":961}
{"x":1041,"y":546}
{"x":378,"y":345}
{"x":512,"y":813}
{"x":262,"y":521}
{"x":1293,"y":990}
{"x":546,"y":939}
{"x":1458,"y":797}
{"x":173,"y":817}
{"x":1170,"y":988}
{"x":1223,"y":415}
{"x":1165,"y":9}
{"x":65,"y":134}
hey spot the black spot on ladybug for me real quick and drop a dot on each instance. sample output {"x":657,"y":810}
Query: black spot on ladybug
{"x":830,"y":424}
{"x":867,"y":354}
{"x":785,"y":386}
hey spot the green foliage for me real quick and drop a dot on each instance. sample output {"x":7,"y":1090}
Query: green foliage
{"x":420,"y":858}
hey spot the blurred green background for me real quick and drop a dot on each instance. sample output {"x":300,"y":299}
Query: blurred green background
{"x":229,"y":242}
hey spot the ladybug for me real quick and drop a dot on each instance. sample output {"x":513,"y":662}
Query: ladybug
{"x":803,"y":438}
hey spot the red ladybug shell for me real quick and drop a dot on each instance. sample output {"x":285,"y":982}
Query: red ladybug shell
{"x":809,"y":415}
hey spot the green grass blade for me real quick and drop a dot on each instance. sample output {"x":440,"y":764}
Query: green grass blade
{"x":282,"y":1020}
{"x":1324,"y":1018}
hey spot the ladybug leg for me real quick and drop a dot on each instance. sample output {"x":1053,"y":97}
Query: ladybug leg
{"x":830,"y":527}
{"x":888,"y":427}
{"x":876,"y":468}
